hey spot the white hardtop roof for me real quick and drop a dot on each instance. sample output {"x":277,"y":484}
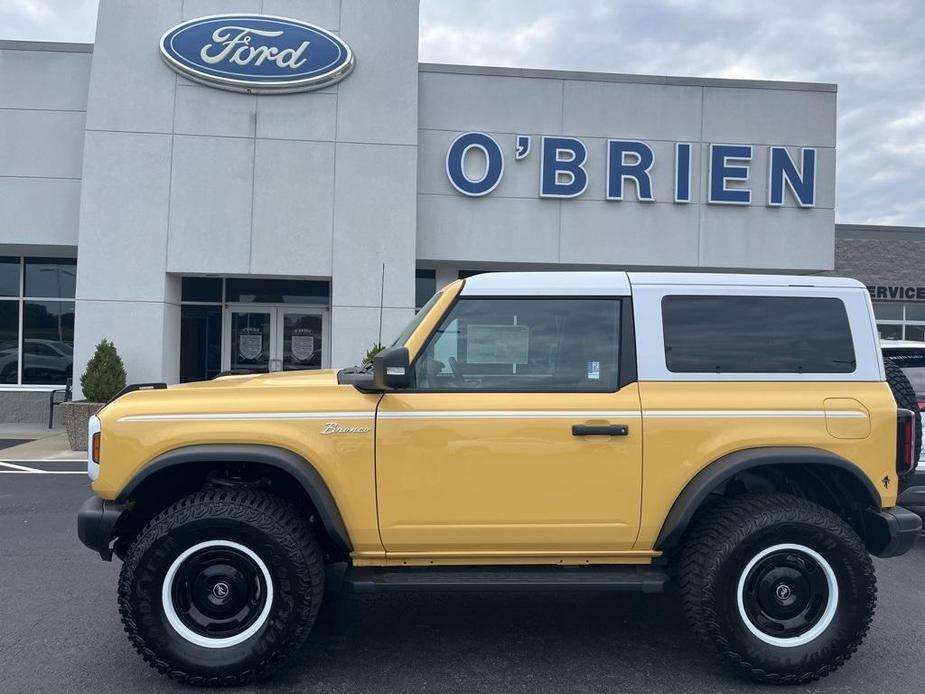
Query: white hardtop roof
{"x":621,"y":283}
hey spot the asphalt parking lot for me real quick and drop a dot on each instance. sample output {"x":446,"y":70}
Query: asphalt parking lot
{"x":60,"y":630}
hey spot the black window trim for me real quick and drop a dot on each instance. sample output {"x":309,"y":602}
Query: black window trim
{"x":626,"y":368}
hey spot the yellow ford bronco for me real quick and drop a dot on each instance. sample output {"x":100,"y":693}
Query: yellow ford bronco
{"x":733,"y":434}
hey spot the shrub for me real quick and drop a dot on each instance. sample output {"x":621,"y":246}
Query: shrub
{"x":105,"y":374}
{"x":372,"y":352}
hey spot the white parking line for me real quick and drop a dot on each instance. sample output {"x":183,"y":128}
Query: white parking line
{"x":23,"y":470}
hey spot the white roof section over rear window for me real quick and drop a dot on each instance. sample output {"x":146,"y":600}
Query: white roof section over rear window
{"x":704,"y":279}
{"x":547,"y":284}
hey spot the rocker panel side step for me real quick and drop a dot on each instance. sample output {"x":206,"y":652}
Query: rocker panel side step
{"x":641,"y":579}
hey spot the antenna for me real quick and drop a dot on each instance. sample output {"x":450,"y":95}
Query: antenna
{"x":381,"y":300}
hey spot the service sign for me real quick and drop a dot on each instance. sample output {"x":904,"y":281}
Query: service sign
{"x":256,"y":53}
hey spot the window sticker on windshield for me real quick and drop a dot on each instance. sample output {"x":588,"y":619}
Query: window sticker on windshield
{"x":594,"y":371}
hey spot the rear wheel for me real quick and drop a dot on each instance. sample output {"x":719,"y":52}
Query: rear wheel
{"x":778,"y":585}
{"x":221,"y":586}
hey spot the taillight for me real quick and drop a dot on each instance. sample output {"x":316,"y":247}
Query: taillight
{"x":905,"y":441}
{"x":922,"y":405}
{"x":95,"y":448}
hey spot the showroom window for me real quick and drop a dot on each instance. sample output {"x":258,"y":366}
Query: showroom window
{"x":524,"y":345}
{"x":37,"y":320}
{"x":899,"y":321}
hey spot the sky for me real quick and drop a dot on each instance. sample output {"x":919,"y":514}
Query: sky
{"x":874,"y":51}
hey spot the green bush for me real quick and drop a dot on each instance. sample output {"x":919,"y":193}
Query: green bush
{"x":105,"y":374}
{"x":372,"y":352}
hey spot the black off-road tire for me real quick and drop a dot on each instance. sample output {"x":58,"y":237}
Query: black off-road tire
{"x":904,"y":394}
{"x":270,"y":528}
{"x":717,"y":553}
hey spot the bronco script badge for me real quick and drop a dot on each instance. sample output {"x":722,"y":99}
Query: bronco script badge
{"x":256,"y":53}
{"x":335,"y":428}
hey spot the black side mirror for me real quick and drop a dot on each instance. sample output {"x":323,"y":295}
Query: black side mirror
{"x":391,"y":369}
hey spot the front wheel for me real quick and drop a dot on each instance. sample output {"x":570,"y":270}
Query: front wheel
{"x":221,"y":586}
{"x":780,"y":586}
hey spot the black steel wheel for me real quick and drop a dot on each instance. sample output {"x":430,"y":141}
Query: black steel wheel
{"x":217,"y":592}
{"x":220,"y":587}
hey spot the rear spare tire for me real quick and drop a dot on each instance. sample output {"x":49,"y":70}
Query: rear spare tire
{"x":905,"y":398}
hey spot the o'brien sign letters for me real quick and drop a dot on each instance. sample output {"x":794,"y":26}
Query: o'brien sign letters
{"x":630,"y":168}
{"x":256,"y":53}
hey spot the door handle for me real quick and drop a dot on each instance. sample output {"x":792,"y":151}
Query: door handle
{"x":604,"y":430}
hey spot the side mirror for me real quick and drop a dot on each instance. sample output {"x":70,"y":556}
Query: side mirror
{"x":391,"y":370}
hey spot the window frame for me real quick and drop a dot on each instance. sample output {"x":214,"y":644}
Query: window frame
{"x":649,"y":330}
{"x":626,"y":356}
{"x":21,"y":299}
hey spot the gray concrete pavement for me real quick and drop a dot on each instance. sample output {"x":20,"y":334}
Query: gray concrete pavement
{"x":60,"y":630}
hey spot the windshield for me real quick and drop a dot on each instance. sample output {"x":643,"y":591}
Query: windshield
{"x":912,"y":362}
{"x":416,"y":321}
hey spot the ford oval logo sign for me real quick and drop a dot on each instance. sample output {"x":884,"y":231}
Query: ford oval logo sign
{"x":256,"y":53}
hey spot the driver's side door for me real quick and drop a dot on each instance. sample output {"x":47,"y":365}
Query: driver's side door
{"x":518,"y":438}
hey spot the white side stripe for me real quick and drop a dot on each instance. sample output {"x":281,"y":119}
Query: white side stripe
{"x":506,"y":414}
{"x":234,"y":416}
{"x":497,"y":414}
{"x":723,"y":414}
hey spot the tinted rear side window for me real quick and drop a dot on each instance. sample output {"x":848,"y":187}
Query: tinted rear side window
{"x":757,"y":334}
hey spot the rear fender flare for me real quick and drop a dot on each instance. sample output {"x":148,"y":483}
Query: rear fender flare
{"x":725,"y":468}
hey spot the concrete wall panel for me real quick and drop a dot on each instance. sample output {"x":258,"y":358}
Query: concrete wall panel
{"x":210,"y":205}
{"x":123,"y":237}
{"x":48,"y":80}
{"x":39,"y":211}
{"x":293,"y":208}
{"x":47,"y":144}
{"x":130,"y":87}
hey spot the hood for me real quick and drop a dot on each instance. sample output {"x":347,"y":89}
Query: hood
{"x":301,"y":379}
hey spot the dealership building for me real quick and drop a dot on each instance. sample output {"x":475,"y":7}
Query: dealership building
{"x":255,"y":193}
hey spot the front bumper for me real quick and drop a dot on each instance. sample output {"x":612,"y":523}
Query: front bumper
{"x":96,"y":523}
{"x":892,"y":531}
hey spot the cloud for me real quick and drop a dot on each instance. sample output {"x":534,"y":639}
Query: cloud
{"x":33,"y":10}
{"x":48,"y":20}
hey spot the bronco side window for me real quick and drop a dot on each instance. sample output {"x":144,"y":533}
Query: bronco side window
{"x":523,"y":345}
{"x":757,"y":334}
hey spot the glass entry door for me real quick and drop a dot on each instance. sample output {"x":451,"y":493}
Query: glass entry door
{"x":258,"y":339}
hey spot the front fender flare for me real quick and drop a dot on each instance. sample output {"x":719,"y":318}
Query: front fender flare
{"x":726,"y":467}
{"x":281,"y":458}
